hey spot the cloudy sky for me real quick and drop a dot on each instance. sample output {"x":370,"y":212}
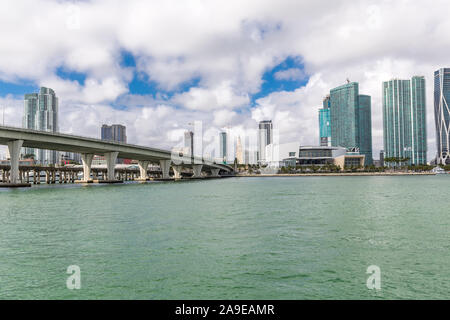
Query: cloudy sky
{"x":156,"y":66}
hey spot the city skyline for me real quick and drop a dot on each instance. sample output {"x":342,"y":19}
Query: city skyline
{"x":155,"y":90}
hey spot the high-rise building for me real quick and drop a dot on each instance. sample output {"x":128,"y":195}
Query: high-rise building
{"x":115,"y":132}
{"x":189,"y":143}
{"x":343,"y":115}
{"x":223,"y":146}
{"x":41,"y":113}
{"x":404,"y":120}
{"x":381,"y":158}
{"x":364,"y":112}
{"x":419,"y":120}
{"x":239,"y":151}
{"x":442,"y":114}
{"x":350,"y":119}
{"x":324,"y":123}
{"x":265,"y":137}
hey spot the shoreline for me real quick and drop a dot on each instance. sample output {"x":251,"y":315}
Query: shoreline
{"x":349,"y":174}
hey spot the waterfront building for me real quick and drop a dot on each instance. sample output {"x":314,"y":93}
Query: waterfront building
{"x":115,"y":132}
{"x":324,"y":123}
{"x":265,"y":137}
{"x":223,"y":146}
{"x":350,"y":119}
{"x":442,"y":114}
{"x":41,"y":113}
{"x":279,"y":155}
{"x":343,"y":115}
{"x":404,"y":120}
{"x":323,"y":155}
{"x":364,"y":113}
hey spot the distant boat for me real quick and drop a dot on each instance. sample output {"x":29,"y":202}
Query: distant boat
{"x":438,"y":170}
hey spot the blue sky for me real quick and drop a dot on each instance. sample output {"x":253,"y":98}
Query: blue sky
{"x":142,"y":85}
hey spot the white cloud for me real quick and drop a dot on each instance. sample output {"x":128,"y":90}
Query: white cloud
{"x":220,"y":97}
{"x":292,"y":74}
{"x":227,"y":47}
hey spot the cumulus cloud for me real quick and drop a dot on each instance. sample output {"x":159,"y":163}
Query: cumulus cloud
{"x":226,"y":47}
{"x":292,"y":74}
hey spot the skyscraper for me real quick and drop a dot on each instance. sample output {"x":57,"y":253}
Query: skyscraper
{"x":115,"y":132}
{"x":189,"y":143}
{"x":442,"y":114}
{"x":41,"y":113}
{"x":419,"y":120}
{"x":364,"y":113}
{"x":343,"y":115}
{"x":325,"y":123}
{"x":351,"y":120}
{"x":223,"y":146}
{"x":404,"y":120}
{"x":239,"y":151}
{"x":265,"y":137}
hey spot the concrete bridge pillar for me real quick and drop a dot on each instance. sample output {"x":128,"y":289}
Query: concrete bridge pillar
{"x":197,"y":169}
{"x":165,"y":168}
{"x":14,"y":152}
{"x":111,"y":158}
{"x":215,"y":172}
{"x":86,"y":158}
{"x":143,"y":167}
{"x":177,"y":171}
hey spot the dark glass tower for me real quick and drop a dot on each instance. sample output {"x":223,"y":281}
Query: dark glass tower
{"x":364,"y":112}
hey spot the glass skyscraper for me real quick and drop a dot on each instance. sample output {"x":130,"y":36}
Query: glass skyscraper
{"x":41,"y":113}
{"x":351,"y":119}
{"x":325,"y":123}
{"x":404,"y":120}
{"x":364,"y":113}
{"x":343,"y":115}
{"x":223,"y":146}
{"x":442,"y":114}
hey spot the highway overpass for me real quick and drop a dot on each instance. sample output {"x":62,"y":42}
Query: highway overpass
{"x":16,"y":138}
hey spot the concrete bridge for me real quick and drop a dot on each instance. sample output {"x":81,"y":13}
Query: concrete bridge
{"x":16,"y":138}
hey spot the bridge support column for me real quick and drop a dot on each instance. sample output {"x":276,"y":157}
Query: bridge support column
{"x":111,"y":158}
{"x":215,"y":172}
{"x":197,"y":169}
{"x":14,"y":151}
{"x":143,"y":167}
{"x":165,"y":168}
{"x":177,"y":171}
{"x":86,"y":158}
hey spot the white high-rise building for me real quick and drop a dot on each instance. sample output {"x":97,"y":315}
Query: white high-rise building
{"x":41,"y":113}
{"x":265,"y":137}
{"x":442,"y":114}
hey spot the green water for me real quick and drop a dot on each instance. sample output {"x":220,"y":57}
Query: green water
{"x":236,"y":238}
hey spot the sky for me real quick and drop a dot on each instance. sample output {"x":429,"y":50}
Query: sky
{"x":157,"y":66}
